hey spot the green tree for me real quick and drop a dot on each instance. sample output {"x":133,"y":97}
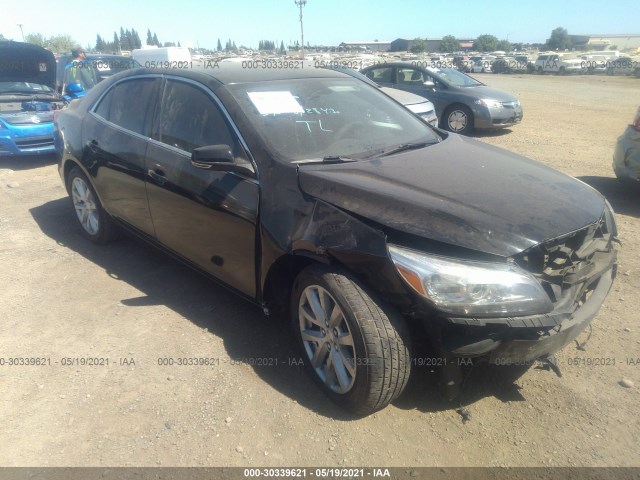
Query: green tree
{"x":219,"y":47}
{"x":282,"y":49}
{"x":156,"y":42}
{"x":135,"y":39}
{"x":486,"y":43}
{"x":2,"y":37}
{"x":35,"y":39}
{"x":449,"y":44}
{"x":149,"y":37}
{"x":116,"y":42}
{"x":504,"y":45}
{"x":559,"y":40}
{"x":418,"y":46}
{"x":60,"y":43}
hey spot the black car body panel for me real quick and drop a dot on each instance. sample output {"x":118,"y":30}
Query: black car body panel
{"x":512,"y":205}
{"x":241,"y":226}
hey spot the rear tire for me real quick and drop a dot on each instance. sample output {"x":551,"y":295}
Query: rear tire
{"x":94,"y":221}
{"x":354,"y":347}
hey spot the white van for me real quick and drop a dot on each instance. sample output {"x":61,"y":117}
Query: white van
{"x":162,"y":57}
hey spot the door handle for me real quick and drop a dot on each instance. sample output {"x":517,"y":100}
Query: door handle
{"x":157,"y":175}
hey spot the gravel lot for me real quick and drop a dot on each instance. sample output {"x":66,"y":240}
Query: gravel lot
{"x":63,"y":298}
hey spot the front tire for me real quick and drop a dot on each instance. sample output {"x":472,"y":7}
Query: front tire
{"x":95,"y":223}
{"x":458,"y":119}
{"x":354,"y":347}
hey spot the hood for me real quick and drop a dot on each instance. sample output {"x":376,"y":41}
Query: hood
{"x":459,"y":192}
{"x":23,"y":62}
{"x":405,"y":98}
{"x":482,"y":91}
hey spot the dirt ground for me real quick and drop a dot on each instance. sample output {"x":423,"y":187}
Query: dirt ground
{"x":63,"y":299}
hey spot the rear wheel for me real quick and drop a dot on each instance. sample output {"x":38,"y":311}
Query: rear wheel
{"x":95,"y":223}
{"x":458,"y":119}
{"x":354,"y":347}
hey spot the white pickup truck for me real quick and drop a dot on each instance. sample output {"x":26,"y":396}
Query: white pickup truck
{"x":561,"y":64}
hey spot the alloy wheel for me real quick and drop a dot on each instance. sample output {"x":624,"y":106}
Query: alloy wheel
{"x":327,"y":339}
{"x":85,"y":206}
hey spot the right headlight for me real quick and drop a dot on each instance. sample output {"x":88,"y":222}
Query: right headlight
{"x":462,"y":287}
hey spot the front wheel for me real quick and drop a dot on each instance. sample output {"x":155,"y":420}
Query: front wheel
{"x":95,"y":223}
{"x":354,"y":347}
{"x":458,"y":119}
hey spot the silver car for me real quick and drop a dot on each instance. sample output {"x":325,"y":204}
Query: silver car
{"x":626,"y":157}
{"x":462,"y":103}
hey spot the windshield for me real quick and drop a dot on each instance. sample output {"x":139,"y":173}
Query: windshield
{"x":453,"y":77}
{"x":23,"y":87}
{"x":321,"y":118}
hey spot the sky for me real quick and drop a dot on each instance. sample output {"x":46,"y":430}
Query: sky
{"x":199,"y":23}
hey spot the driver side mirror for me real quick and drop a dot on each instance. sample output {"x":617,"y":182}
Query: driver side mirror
{"x":211,"y":155}
{"x":219,"y":158}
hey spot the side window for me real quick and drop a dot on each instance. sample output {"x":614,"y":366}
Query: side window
{"x":130,"y":105}
{"x":190,"y":119}
{"x":381,"y":75}
{"x":410,"y":76}
{"x":104,"y":107}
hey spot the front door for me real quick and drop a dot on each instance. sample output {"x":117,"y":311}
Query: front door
{"x":208,"y":217}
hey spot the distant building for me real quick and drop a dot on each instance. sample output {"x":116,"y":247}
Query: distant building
{"x":604,"y":42}
{"x":433,"y":44}
{"x":374,"y":46}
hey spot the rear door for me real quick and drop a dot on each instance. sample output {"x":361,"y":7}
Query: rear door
{"x":208,"y":217}
{"x":116,"y":134}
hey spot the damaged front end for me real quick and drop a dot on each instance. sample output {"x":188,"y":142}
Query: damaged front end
{"x":575,"y":271}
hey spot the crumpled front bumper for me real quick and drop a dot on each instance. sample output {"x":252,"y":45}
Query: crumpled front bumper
{"x":518,"y":340}
{"x":626,"y":157}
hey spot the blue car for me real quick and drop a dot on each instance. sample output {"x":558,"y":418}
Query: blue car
{"x":28,"y":99}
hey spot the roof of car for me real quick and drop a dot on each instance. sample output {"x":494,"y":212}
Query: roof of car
{"x":236,"y":72}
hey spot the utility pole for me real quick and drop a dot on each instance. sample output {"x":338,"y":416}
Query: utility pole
{"x":20,"y":25}
{"x":300,"y":4}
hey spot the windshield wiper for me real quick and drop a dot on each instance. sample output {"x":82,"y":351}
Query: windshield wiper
{"x":407,"y":146}
{"x":327,"y":159}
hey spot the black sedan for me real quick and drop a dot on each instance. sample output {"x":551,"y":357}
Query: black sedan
{"x":315,"y":196}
